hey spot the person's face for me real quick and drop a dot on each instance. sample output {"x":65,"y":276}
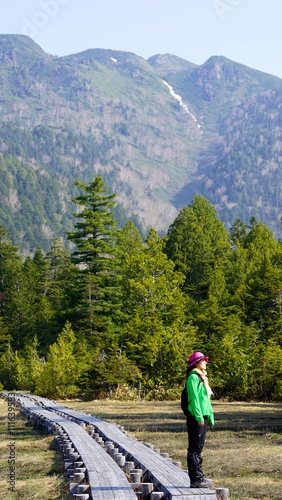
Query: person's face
{"x":202,"y":365}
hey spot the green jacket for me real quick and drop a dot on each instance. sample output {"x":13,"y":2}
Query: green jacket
{"x":199,"y":403}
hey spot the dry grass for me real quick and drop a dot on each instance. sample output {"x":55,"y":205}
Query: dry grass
{"x":243,"y":453}
{"x":39,"y":469}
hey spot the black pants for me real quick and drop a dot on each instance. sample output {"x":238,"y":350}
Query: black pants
{"x":196,"y":441}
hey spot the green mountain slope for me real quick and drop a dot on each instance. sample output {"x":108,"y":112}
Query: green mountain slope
{"x":241,"y":173}
{"x":239,"y":165}
{"x":158,"y":131}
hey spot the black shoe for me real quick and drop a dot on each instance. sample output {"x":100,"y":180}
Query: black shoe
{"x":209,"y":482}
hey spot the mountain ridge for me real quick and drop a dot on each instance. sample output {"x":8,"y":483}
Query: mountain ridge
{"x":109,"y":112}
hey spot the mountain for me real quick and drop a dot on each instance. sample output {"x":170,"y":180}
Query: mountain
{"x":158,"y":131}
{"x":238,"y":169}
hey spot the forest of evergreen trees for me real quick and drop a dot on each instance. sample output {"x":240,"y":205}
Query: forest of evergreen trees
{"x":118,"y":316}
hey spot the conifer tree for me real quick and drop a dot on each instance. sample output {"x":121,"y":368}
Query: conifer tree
{"x":6,"y":364}
{"x":61,"y":371}
{"x":156,"y":336}
{"x":59,"y":276}
{"x":130,"y":244}
{"x":129,"y":240}
{"x":199,"y":244}
{"x":35,"y":272}
{"x":14,"y":304}
{"x":98,"y":290}
{"x":264,"y":281}
{"x":238,"y":233}
{"x":34,"y":365}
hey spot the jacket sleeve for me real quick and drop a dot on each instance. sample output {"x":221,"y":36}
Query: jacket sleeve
{"x":193,"y":397}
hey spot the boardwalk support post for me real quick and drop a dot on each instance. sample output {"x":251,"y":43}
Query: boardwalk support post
{"x":222,"y":493}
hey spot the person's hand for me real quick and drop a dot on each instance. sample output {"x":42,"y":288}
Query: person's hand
{"x":201,"y":423}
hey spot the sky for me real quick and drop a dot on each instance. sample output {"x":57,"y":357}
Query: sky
{"x":246,"y":31}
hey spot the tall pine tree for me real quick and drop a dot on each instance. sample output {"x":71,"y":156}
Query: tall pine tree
{"x":98,"y":290}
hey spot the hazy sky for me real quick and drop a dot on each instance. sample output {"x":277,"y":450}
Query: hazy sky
{"x":246,"y":31}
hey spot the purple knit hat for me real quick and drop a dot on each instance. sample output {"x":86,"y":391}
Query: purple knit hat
{"x":195,"y":358}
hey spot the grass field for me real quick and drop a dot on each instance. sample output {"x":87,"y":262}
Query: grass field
{"x":242,"y":453}
{"x":39,"y":468}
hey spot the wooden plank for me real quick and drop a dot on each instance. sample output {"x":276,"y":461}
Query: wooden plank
{"x":107,"y":486}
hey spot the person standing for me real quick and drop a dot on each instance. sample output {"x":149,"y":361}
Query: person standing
{"x":200,"y":414}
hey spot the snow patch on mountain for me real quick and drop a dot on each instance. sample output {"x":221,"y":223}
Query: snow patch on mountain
{"x":183,"y":106}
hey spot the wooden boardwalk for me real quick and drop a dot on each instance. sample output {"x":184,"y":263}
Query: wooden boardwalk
{"x":168,"y":479}
{"x":84,"y":458}
{"x":151,"y":475}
